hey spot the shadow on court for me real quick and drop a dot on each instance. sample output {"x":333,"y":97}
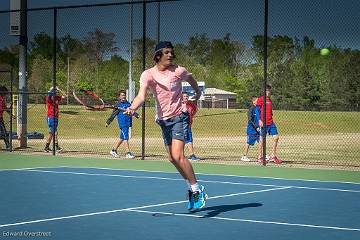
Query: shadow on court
{"x":216,"y":210}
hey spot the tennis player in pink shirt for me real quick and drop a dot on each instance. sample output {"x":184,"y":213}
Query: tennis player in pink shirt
{"x":164,"y":81}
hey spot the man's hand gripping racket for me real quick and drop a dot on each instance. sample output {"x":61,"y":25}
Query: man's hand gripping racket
{"x":131,"y":112}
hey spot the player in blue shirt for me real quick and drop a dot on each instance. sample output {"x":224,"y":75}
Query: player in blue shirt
{"x":253,"y":129}
{"x":124,"y":122}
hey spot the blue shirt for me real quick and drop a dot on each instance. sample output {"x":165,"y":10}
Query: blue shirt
{"x":124,"y":120}
{"x":253,"y":120}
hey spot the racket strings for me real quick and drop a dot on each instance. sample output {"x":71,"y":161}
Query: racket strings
{"x":89,"y":99}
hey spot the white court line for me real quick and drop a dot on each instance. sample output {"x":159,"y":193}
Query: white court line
{"x":247,"y":220}
{"x":198,"y":173}
{"x":127,"y":209}
{"x":25,"y":169}
{"x":225,"y":175}
{"x":245,"y":193}
{"x":180,"y":179}
{"x":16,"y":169}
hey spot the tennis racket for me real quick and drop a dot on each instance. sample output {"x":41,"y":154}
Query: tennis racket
{"x":92,"y":101}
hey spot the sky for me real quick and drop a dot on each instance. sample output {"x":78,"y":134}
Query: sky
{"x":328,"y":22}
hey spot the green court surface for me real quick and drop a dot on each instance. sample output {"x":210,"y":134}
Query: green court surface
{"x":20,"y":160}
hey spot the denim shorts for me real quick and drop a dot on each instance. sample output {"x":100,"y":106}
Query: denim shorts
{"x":175,"y":128}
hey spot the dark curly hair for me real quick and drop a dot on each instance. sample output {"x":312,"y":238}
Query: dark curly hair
{"x":158,"y":55}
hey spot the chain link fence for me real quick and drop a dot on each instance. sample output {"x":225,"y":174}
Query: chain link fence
{"x":315,"y":97}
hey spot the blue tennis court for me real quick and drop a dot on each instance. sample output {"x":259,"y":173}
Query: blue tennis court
{"x":93,"y":203}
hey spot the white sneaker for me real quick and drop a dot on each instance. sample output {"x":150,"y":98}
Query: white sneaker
{"x":245,"y":159}
{"x":268,"y":158}
{"x":130,"y":155}
{"x":58,"y":149}
{"x":114,"y":153}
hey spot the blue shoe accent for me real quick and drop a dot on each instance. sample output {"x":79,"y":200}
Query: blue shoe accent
{"x":190,"y":197}
{"x":200,"y":198}
{"x":193,"y":158}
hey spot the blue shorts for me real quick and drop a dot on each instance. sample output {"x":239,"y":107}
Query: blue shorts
{"x":271,"y":130}
{"x":189,"y":138}
{"x":52,"y":124}
{"x":175,"y":128}
{"x":252,"y":139}
{"x":124,"y":133}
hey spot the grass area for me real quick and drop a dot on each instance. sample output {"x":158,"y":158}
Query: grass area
{"x":308,"y":138}
{"x":78,"y":122}
{"x":18,"y":161}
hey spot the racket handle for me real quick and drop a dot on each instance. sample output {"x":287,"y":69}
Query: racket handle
{"x":135,"y":113}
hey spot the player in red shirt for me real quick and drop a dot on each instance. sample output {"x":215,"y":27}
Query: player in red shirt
{"x":3,"y":132}
{"x":53,"y":117}
{"x":270,"y":126}
{"x":192,"y":109}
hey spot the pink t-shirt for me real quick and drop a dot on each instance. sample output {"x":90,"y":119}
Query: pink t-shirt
{"x":166,"y":87}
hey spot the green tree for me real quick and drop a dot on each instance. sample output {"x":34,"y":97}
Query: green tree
{"x":100,"y":45}
{"x":138,"y":57}
{"x":344,"y":73}
{"x":223,"y":53}
{"x":42,"y":44}
{"x":352,"y":73}
{"x":199,"y":48}
{"x":40,"y":77}
{"x":113,"y":77}
{"x":71,"y":47}
{"x":82,"y":72}
{"x":10,"y":56}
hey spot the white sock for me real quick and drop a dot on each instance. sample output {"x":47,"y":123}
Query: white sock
{"x":188,"y":184}
{"x":195,"y":187}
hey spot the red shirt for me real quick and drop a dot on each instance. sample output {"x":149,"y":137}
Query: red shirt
{"x":2,"y":105}
{"x":269,"y":113}
{"x":50,"y":106}
{"x":191,"y":108}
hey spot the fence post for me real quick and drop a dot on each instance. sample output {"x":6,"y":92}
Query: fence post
{"x":22,"y":110}
{"x":265,"y":78}
{"x":143,"y":67}
{"x":54,"y":78}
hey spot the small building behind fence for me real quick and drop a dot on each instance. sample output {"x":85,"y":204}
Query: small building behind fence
{"x":212,"y":97}
{"x":218,"y":98}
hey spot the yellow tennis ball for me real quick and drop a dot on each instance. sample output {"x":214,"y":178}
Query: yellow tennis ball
{"x":324,"y":52}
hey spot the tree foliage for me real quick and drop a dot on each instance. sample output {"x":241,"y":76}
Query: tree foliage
{"x":302,"y":79}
